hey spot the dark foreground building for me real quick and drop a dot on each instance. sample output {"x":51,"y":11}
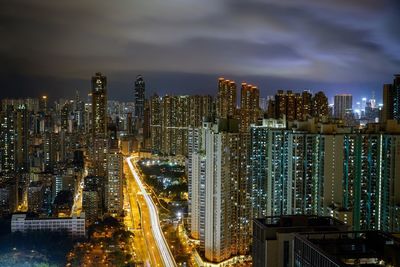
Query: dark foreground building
{"x":273,"y":237}
{"x":372,"y":248}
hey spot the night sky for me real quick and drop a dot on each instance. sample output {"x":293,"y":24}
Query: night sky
{"x":183,"y":46}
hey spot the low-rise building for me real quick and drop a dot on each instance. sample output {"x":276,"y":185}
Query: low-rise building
{"x":75,"y":226}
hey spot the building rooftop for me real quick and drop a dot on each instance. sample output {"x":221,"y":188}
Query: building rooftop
{"x":34,"y":216}
{"x":298,"y":223}
{"x":371,"y":248}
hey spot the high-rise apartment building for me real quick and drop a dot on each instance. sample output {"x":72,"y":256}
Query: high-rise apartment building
{"x":295,"y":106}
{"x":195,"y":172}
{"x":22,"y":139}
{"x":155,"y":123}
{"x":140,"y":87}
{"x":396,"y":98}
{"x":219,"y":210}
{"x":99,"y":125}
{"x":307,"y":103}
{"x":291,"y":106}
{"x":326,"y":170}
{"x":285,"y":171}
{"x":391,"y":100}
{"x":35,"y":196}
{"x":114,"y":194}
{"x":7,"y":140}
{"x":172,"y":116}
{"x":200,"y":107}
{"x":175,"y":122}
{"x":99,"y":156}
{"x":14,"y":134}
{"x":319,"y":106}
{"x":99,"y":105}
{"x":249,"y":106}
{"x":226,"y":99}
{"x":92,"y":198}
{"x":343,"y":104}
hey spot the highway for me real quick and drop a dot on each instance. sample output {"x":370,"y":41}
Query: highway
{"x":162,"y":245}
{"x":77,"y":206}
{"x":144,"y":249}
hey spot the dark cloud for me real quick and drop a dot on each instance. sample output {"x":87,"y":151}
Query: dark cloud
{"x":343,"y":44}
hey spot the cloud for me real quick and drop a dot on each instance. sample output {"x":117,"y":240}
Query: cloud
{"x":332,"y":41}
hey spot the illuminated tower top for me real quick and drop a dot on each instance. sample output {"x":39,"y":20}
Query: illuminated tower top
{"x":99,"y":83}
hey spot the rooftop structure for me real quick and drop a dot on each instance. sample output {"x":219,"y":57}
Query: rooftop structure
{"x":341,"y":249}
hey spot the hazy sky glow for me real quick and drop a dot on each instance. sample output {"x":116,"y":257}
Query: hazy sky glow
{"x":182,"y":46}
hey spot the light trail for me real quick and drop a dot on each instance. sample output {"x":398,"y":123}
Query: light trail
{"x":158,"y":235}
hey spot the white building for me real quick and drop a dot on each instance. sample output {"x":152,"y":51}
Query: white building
{"x":215,"y":200}
{"x":75,"y":226}
{"x":193,"y":166}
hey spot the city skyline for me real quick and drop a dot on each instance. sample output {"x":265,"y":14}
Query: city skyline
{"x":274,"y":45}
{"x":85,"y":94}
{"x":208,"y":133}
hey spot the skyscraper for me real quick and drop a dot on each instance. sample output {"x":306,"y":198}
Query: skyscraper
{"x":320,"y":106}
{"x":99,"y":125}
{"x":172,"y":116}
{"x":307,"y":104}
{"x":196,"y":172}
{"x":139,"y":100}
{"x":22,"y":138}
{"x":343,"y":103}
{"x":388,"y":101}
{"x":155,"y":123}
{"x":174,"y":123}
{"x":285,"y":170}
{"x":350,"y":175}
{"x":221,"y":163}
{"x":99,"y":105}
{"x":7,"y":140}
{"x":219,"y":211}
{"x":114,"y":194}
{"x":226,"y":99}
{"x":391,"y":100}
{"x":92,"y":198}
{"x":296,"y":106}
{"x":280,"y":105}
{"x":249,"y":106}
{"x":201,"y":106}
{"x":396,"y":99}
{"x":290,"y":106}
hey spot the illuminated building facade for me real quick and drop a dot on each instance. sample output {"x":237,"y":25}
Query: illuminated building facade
{"x":296,"y":106}
{"x":114,"y":195}
{"x":249,"y":106}
{"x":218,"y":205}
{"x":99,"y":105}
{"x":171,"y":117}
{"x":140,"y":87}
{"x":319,"y":106}
{"x":391,"y":100}
{"x":226,"y":98}
{"x":326,"y":170}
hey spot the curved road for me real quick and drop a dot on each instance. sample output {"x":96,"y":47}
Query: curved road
{"x":158,"y":235}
